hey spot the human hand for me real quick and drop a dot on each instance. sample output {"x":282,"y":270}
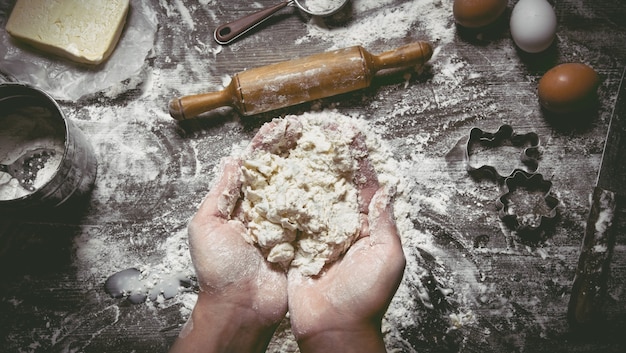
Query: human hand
{"x":342,"y":308}
{"x":242,"y":297}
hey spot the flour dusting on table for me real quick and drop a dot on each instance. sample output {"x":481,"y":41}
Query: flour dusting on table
{"x":387,"y":19}
{"x":101,"y":252}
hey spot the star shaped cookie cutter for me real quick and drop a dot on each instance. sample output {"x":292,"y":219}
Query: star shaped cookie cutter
{"x":526,"y":145}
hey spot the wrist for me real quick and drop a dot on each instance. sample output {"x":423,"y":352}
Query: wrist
{"x":362,"y":338}
{"x":221,"y":326}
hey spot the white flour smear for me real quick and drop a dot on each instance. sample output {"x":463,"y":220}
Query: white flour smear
{"x":170,"y":261}
{"x":375,"y":20}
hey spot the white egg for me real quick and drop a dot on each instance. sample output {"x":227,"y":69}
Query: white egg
{"x":533,"y":25}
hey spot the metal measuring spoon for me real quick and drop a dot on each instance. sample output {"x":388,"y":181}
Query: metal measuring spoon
{"x":25,"y":168}
{"x":228,"y":32}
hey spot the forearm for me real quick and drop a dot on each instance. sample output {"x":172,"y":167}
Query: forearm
{"x":219,"y":328}
{"x":367,"y":339}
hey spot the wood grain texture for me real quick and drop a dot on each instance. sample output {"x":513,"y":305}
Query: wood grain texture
{"x":153,"y":172}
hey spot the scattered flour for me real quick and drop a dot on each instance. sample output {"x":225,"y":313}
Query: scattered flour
{"x":375,"y":20}
{"x":110,"y":246}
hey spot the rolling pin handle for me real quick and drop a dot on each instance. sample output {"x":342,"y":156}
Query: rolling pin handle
{"x":409,"y":55}
{"x":187,"y":107}
{"x":176,"y":109}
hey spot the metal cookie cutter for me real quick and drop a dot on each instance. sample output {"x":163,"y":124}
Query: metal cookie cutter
{"x":504,"y":144}
{"x":527,"y":206}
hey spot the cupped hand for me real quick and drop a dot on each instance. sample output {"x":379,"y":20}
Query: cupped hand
{"x":226,"y":265}
{"x":345,"y":304}
{"x":357,"y":289}
{"x":228,"y":268}
{"x":242,"y":297}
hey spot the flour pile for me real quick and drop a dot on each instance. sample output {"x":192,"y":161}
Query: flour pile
{"x":300,"y":194}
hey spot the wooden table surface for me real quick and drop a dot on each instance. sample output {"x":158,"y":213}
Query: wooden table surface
{"x":471,"y":285}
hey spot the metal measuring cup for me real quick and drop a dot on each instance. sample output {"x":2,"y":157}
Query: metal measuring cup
{"x":228,"y":32}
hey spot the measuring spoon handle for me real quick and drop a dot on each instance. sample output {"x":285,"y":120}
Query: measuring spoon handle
{"x":228,"y":32}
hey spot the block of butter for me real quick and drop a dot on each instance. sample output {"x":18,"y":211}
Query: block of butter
{"x":85,"y":31}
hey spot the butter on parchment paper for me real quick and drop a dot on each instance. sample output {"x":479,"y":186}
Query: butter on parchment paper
{"x":82,"y":31}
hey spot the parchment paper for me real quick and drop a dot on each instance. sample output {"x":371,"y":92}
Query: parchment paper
{"x":68,"y":81}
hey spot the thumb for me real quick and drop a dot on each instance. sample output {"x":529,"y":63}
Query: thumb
{"x":382,"y":224}
{"x":222,"y":198}
{"x":384,"y":238}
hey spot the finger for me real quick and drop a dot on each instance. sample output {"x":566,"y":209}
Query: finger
{"x":277,"y":136}
{"x":364,"y":228}
{"x":381,"y":221}
{"x":223,"y":196}
{"x":264,"y":137}
{"x":365,"y":177}
{"x":385,"y":240}
{"x":296,"y":281}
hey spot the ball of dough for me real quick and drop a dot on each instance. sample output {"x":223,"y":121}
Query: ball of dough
{"x":299,"y":200}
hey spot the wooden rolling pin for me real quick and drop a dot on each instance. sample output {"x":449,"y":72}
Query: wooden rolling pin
{"x":301,"y":80}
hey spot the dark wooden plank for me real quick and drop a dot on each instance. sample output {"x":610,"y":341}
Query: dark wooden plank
{"x":153,"y":172}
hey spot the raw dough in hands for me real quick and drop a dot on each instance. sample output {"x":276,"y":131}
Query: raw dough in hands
{"x":300,"y":200}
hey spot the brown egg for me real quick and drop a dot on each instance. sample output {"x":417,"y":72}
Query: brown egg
{"x":568,"y":88}
{"x":477,"y":13}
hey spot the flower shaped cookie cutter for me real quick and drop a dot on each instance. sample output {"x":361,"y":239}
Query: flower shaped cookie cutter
{"x":485,"y":155}
{"x":527,"y":206}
